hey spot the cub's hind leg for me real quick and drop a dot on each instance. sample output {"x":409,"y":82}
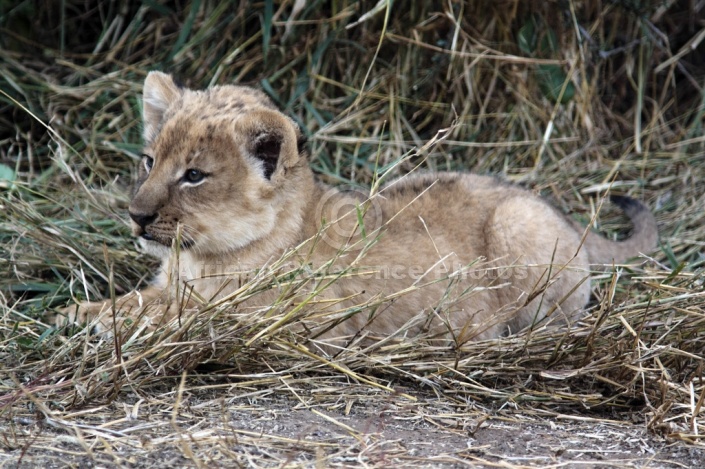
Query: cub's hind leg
{"x":547,"y":271}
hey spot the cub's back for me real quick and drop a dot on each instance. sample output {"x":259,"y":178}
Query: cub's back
{"x":451,"y":209}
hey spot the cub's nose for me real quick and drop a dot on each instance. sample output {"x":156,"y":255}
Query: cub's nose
{"x":142,"y":220}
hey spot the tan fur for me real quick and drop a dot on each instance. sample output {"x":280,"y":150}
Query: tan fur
{"x":527,"y":260}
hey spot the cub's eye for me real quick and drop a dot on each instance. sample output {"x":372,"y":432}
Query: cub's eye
{"x":148,"y":162}
{"x":193,"y":176}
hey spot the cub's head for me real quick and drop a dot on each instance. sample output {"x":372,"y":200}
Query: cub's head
{"x":217,"y":169}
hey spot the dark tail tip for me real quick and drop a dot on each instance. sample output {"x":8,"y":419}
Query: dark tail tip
{"x":645,"y":235}
{"x":628,"y":205}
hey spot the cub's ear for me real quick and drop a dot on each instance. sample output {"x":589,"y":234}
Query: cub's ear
{"x":270,"y":138}
{"x":160,"y":91}
{"x":266,"y":147}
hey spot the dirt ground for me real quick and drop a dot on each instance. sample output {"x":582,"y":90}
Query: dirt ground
{"x":312,"y":427}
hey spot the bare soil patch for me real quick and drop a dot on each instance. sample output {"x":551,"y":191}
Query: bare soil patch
{"x":312,"y":427}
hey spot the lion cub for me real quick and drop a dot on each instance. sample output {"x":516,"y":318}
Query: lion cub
{"x":225,"y":181}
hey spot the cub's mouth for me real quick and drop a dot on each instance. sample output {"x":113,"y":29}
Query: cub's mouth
{"x":164,"y":240}
{"x":152,"y":229}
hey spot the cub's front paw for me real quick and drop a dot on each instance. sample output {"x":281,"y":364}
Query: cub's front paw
{"x":98,"y":315}
{"x":133,"y":313}
{"x":101,"y":316}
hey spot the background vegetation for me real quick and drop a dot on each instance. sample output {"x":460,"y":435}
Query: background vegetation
{"x":569,"y":98}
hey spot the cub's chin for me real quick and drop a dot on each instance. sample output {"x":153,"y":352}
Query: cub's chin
{"x":153,"y":248}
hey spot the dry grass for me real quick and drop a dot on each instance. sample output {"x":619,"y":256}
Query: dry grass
{"x":371,"y":86}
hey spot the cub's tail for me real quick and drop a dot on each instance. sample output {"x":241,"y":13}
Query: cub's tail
{"x":643,"y":239}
